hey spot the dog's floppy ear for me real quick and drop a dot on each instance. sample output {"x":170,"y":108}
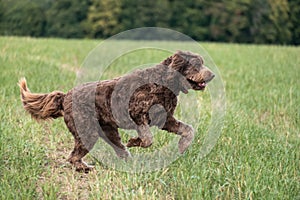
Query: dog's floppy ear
{"x":178,"y":61}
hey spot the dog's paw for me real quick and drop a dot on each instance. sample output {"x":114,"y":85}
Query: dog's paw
{"x":83,"y":167}
{"x":138,"y":142}
{"x":185,"y":140}
{"x":146,"y":142}
{"x":134,"y":142}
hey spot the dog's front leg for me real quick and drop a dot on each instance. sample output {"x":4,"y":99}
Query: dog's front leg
{"x":184,"y":130}
{"x":144,"y":138}
{"x":187,"y":135}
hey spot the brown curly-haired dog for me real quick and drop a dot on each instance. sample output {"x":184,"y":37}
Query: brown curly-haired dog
{"x":137,"y":101}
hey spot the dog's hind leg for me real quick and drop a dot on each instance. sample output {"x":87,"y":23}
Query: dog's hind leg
{"x":113,"y":138}
{"x":83,"y":144}
{"x":184,"y":130}
{"x":76,"y":156}
{"x":144,"y":139}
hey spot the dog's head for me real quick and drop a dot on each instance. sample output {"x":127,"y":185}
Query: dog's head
{"x":191,"y":66}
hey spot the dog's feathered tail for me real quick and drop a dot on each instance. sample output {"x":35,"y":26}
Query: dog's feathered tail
{"x":41,"y":106}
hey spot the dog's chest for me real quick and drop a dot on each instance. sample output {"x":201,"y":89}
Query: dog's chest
{"x":149,"y":95}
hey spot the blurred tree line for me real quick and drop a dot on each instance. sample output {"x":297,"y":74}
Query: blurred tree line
{"x":246,"y":21}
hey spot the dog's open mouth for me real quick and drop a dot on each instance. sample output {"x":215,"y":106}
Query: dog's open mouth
{"x":197,"y":85}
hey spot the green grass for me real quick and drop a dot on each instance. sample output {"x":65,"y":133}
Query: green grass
{"x":256,"y":157}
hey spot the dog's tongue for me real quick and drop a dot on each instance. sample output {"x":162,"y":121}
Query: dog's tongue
{"x":202,"y":84}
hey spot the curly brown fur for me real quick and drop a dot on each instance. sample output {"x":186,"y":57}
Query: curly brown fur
{"x":152,"y":103}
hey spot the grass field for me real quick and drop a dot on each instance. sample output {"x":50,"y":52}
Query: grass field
{"x":256,"y":157}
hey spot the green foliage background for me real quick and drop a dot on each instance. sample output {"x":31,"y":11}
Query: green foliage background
{"x":245,"y":21}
